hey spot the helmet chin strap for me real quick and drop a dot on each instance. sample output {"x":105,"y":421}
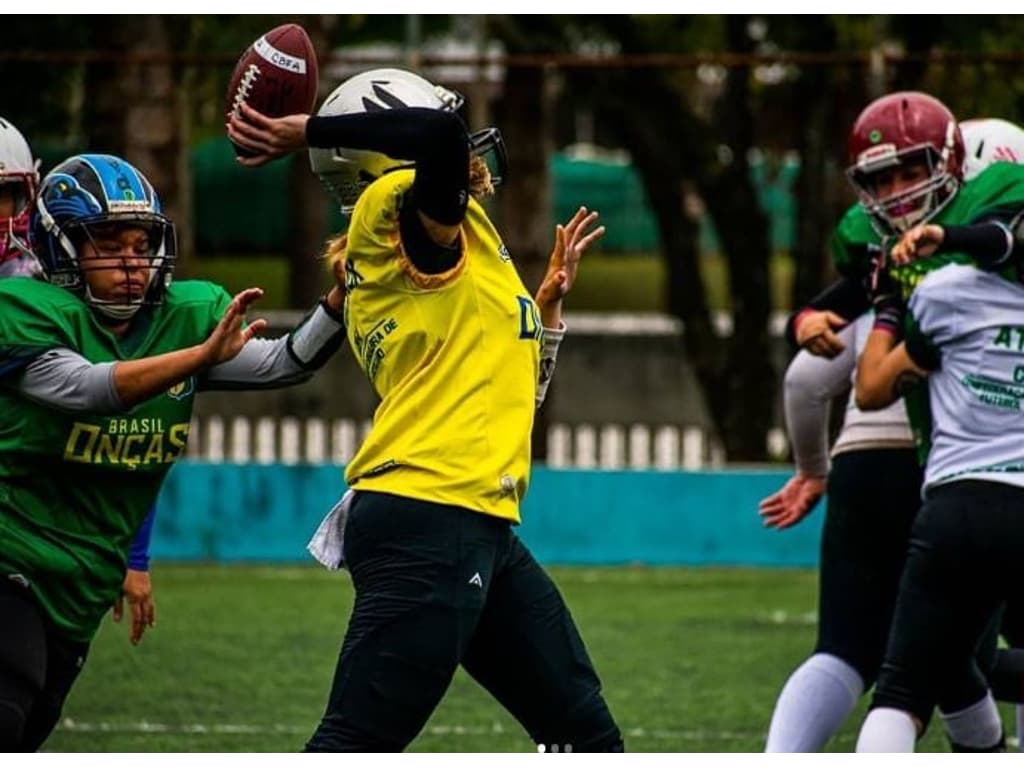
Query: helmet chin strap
{"x":112,"y":309}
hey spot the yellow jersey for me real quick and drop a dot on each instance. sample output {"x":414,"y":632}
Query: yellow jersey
{"x":453,"y":356}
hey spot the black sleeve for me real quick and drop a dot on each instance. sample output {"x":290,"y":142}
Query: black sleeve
{"x":991,"y":244}
{"x":845,"y":297}
{"x":925,"y":355}
{"x":437,"y":142}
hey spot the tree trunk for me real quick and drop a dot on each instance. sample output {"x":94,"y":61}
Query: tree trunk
{"x":743,"y":404}
{"x":815,"y":122}
{"x":137,"y":112}
{"x":670,"y":144}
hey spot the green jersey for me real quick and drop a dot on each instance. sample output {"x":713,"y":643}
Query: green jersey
{"x":999,"y":189}
{"x":74,"y":487}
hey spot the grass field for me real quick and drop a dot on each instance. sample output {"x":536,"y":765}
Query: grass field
{"x":242,"y":658}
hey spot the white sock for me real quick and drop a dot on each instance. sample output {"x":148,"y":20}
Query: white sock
{"x":887,"y":730}
{"x":1020,"y":726}
{"x":977,"y":726}
{"x":815,"y":701}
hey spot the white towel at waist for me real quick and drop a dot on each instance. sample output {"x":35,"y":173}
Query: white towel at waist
{"x":327,"y":544}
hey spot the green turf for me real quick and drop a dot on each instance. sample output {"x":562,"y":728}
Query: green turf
{"x":691,"y":660}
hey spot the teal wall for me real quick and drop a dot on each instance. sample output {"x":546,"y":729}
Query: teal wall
{"x":252,"y":512}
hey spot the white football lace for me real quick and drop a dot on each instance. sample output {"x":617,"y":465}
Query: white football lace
{"x":244,"y":87}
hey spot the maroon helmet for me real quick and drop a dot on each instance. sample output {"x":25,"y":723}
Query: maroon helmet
{"x":901,"y":129}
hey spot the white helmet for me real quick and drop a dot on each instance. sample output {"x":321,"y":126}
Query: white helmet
{"x":18,"y":169}
{"x":347,"y":172}
{"x":990,"y":140}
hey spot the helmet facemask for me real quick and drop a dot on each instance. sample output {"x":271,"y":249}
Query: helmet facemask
{"x":916,"y":204}
{"x":19,"y":180}
{"x":81,"y":214}
{"x":906,"y":159}
{"x":17,"y":192}
{"x":488,"y":145}
{"x":147,"y":262}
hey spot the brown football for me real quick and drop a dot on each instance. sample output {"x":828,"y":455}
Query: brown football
{"x":277,"y":75}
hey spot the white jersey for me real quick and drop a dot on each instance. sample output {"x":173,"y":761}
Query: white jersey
{"x":976,"y":320}
{"x":811,"y":383}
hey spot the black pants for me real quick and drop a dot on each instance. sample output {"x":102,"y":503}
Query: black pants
{"x":438,"y":586}
{"x":873,"y":497}
{"x":964,"y":561}
{"x":37,"y":669}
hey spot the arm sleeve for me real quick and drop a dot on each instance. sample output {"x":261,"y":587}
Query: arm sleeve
{"x":438,"y":144}
{"x":991,"y":244}
{"x":845,"y":297}
{"x":291,"y":359}
{"x":65,"y":380}
{"x":550,"y":342}
{"x":138,"y":555}
{"x":810,"y":384}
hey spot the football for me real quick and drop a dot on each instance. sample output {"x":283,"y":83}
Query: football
{"x":277,"y":75}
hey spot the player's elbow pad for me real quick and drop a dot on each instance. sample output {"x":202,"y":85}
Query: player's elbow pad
{"x":550,"y":342}
{"x":316,"y":338}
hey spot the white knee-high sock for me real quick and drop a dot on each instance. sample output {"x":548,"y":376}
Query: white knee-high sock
{"x":815,"y":701}
{"x":977,"y":726}
{"x":887,"y":730}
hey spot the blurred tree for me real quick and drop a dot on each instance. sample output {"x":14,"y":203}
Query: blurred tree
{"x":679,"y":131}
{"x":43,"y":98}
{"x":814,"y":133}
{"x":137,"y":110}
{"x":307,"y":211}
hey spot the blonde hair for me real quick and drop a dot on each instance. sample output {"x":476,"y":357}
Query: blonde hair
{"x":334,"y":255}
{"x":480,"y":184}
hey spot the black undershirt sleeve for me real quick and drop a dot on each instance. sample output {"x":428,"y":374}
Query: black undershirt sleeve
{"x":924,"y":354}
{"x":437,"y":142}
{"x":990,"y":244}
{"x":846,"y":297}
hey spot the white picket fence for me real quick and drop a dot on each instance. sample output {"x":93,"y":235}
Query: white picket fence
{"x":291,"y":440}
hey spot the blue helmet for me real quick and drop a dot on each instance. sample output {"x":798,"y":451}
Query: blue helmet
{"x":89,"y":191}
